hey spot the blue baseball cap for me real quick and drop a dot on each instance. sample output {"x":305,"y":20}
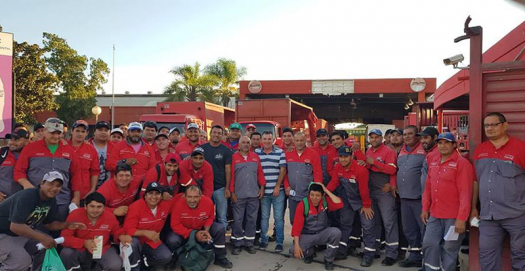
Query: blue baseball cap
{"x":447,"y":136}
{"x":135,"y":126}
{"x":345,"y":151}
{"x":375,"y":131}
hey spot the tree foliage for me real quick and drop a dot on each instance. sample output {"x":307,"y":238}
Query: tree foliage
{"x":216,"y":83}
{"x":34,"y":84}
{"x":80,"y":77}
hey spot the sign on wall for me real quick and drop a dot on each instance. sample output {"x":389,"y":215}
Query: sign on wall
{"x":332,"y":87}
{"x":6,"y":83}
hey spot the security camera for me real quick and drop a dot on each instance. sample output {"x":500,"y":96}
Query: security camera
{"x":454,"y":60}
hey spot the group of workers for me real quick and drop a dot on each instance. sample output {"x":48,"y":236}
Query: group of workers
{"x":149,"y":189}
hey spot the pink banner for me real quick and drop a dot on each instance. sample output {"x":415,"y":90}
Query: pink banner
{"x":6,"y":83}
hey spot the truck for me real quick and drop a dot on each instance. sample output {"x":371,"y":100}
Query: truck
{"x":275,"y":114}
{"x":180,"y":114}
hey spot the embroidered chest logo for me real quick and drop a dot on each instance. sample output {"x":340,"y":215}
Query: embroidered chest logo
{"x":104,"y":227}
{"x":509,"y":156}
{"x":65,"y":154}
{"x":307,"y":160}
{"x":87,"y":156}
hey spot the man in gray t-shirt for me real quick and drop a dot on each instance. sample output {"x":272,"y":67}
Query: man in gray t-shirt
{"x":103,"y":146}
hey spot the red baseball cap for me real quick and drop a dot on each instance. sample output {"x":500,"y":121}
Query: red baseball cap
{"x":173,"y":157}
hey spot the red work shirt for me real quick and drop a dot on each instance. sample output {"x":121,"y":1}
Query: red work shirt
{"x":385,"y":160}
{"x":202,"y":176}
{"x":353,"y":172}
{"x":123,"y":150}
{"x":228,"y":144}
{"x":115,"y":198}
{"x":185,"y":148}
{"x":162,"y":179}
{"x":331,"y":155}
{"x":159,"y":158}
{"x":106,"y":226}
{"x":298,"y":222}
{"x":184,"y":219}
{"x":287,"y":149}
{"x":89,"y":165}
{"x":448,"y":190}
{"x":141,"y":217}
{"x":8,"y":186}
{"x":36,"y":160}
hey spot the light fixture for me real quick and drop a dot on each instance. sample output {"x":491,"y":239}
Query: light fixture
{"x":410,"y":102}
{"x":407,"y":107}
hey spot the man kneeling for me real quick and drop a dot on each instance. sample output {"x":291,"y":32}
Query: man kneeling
{"x":79,"y":250}
{"x":193,"y":211}
{"x":311,"y":225}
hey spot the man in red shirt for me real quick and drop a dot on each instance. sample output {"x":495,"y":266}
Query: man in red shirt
{"x":87,"y":157}
{"x":17,"y":141}
{"x":79,"y":244}
{"x":174,"y":137}
{"x":149,"y":133}
{"x":234,"y":136}
{"x":255,"y":139}
{"x":288,"y":140}
{"x":51,"y":154}
{"x":197,"y":171}
{"x":120,"y":191}
{"x":312,"y":226}
{"x":327,"y":154}
{"x":428,"y":141}
{"x":196,"y":212}
{"x":352,"y":182}
{"x":167,"y":174}
{"x":186,"y":147}
{"x":162,"y":148}
{"x":303,"y":167}
{"x":447,"y":197}
{"x":246,"y":187}
{"x":144,"y":222}
{"x":134,"y":152}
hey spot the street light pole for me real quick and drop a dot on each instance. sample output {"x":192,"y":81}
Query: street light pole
{"x":113,"y":92}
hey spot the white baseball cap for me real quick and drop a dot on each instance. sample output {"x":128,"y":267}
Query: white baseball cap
{"x":53,"y":176}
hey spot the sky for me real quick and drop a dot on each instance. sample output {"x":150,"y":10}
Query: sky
{"x":273,"y":39}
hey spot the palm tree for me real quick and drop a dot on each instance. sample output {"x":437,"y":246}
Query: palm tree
{"x":227,"y":74}
{"x":189,"y":83}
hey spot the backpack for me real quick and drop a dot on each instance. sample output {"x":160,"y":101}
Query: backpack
{"x":194,"y":256}
{"x":307,"y":205}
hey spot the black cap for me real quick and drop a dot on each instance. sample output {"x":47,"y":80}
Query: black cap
{"x":321,"y":132}
{"x":197,"y":151}
{"x":429,"y":131}
{"x":102,"y":124}
{"x":38,"y":126}
{"x":21,"y":133}
{"x":154,"y":186}
{"x":397,"y":130}
{"x":161,"y":135}
{"x":345,"y":151}
{"x":389,"y":131}
{"x":164,"y":127}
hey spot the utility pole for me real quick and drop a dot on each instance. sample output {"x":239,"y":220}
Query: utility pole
{"x":113,"y":92}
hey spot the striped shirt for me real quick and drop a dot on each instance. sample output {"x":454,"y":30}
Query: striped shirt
{"x":271,"y":164}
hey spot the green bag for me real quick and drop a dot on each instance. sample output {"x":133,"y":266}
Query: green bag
{"x":52,"y":261}
{"x":193,"y":256}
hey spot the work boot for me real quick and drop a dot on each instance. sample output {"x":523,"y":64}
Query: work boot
{"x":236,"y":250}
{"x":388,"y":261}
{"x":340,"y":256}
{"x":223,"y":262}
{"x":309,"y":259}
{"x":251,"y":250}
{"x":409,"y":263}
{"x":367,"y":262}
{"x":352,"y":251}
{"x":329,"y":265}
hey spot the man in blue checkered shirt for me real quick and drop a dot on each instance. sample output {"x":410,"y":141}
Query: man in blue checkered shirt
{"x":273,"y":161}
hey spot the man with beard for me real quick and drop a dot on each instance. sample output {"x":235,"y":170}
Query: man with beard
{"x":174,"y":137}
{"x":133,"y":152}
{"x":327,"y":153}
{"x":303,"y":167}
{"x":116,"y":135}
{"x":162,"y":148}
{"x":79,"y":244}
{"x":247,"y":188}
{"x":428,"y":141}
{"x":233,"y":137}
{"x":196,"y":212}
{"x":255,"y":139}
{"x":87,"y":158}
{"x":381,"y":163}
{"x":17,"y":140}
{"x":288,"y":141}
{"x":196,"y":171}
{"x":410,"y":163}
{"x":186,"y":147}
{"x":20,"y":217}
{"x":388,"y":137}
{"x":149,"y":133}
{"x":103,"y":147}
{"x":51,"y":154}
{"x":220,"y":159}
{"x":144,"y":222}
{"x":396,"y":140}
{"x":120,"y":191}
{"x":167,"y":174}
{"x":500,"y":169}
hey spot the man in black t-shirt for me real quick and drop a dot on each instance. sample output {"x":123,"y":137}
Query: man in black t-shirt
{"x":21,"y":215}
{"x":220,"y":158}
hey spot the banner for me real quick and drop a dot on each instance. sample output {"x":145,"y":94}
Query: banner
{"x":6,"y":83}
